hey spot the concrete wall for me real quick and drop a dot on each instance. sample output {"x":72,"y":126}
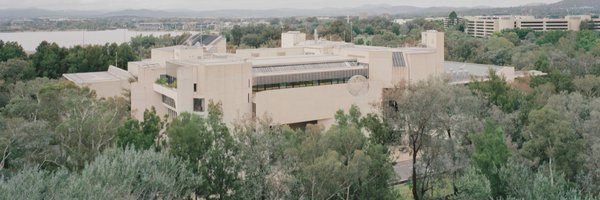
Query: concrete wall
{"x":162,"y":55}
{"x":380,"y":67}
{"x":221,"y":45}
{"x":270,"y":52}
{"x":230,"y":84}
{"x":422,"y":66}
{"x":320,"y":103}
{"x":292,"y":38}
{"x":108,"y":89}
{"x":142,"y":93}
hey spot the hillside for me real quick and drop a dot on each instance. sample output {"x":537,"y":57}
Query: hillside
{"x":576,"y":4}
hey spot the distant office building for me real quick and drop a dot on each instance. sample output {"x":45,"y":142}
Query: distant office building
{"x":484,"y":26}
{"x":304,"y":82}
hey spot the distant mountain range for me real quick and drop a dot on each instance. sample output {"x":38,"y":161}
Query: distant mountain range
{"x":288,"y":12}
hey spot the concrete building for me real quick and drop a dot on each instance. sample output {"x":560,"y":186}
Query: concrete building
{"x":305,"y":81}
{"x":484,"y":26}
{"x":302,"y":82}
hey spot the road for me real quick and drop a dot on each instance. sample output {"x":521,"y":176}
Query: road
{"x":403,"y":170}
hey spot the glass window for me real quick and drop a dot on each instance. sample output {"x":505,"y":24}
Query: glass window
{"x":198,"y":105}
{"x":169,"y":101}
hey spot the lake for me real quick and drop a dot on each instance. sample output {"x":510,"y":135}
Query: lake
{"x":30,"y":40}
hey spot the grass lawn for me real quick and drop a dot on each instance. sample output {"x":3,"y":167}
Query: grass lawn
{"x":404,"y":191}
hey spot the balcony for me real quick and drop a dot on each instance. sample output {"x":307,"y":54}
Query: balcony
{"x":164,"y":90}
{"x":167,"y":81}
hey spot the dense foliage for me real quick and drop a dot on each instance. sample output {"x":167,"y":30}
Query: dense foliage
{"x":534,"y":138}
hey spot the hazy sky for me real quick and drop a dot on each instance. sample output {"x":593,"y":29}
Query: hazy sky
{"x":245,"y":4}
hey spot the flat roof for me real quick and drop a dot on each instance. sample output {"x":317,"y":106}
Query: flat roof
{"x":171,"y":48}
{"x":91,"y":77}
{"x":297,"y":60}
{"x":113,"y":74}
{"x":226,"y":59}
{"x":479,"y":70}
{"x":325,"y":44}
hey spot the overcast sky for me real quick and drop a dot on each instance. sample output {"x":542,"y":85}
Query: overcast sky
{"x":245,"y":4}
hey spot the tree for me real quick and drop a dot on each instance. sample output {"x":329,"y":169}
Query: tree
{"x":141,"y":135}
{"x":452,"y":18}
{"x":418,"y":112}
{"x":523,"y":183}
{"x":588,"y":85}
{"x":211,"y":150}
{"x":490,"y":154}
{"x":497,"y":92}
{"x":25,"y":144}
{"x":387,"y":39}
{"x":115,"y":174}
{"x":252,"y":40}
{"x":132,"y":174}
{"x":15,"y":70}
{"x":11,"y":50}
{"x":473,"y":185}
{"x":48,"y":60}
{"x":380,"y":131}
{"x":85,"y":125}
{"x":551,"y":138}
{"x":82,"y":124}
{"x":342,"y":164}
{"x":24,"y":99}
{"x":267,"y":174}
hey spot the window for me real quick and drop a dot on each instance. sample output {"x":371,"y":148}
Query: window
{"x":398,"y":59}
{"x":169,"y":101}
{"x":195,"y":87}
{"x":198,"y":105}
{"x":171,"y":114}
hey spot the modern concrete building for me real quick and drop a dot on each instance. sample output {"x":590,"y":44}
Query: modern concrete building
{"x":302,"y":82}
{"x":305,"y":81}
{"x":484,"y":26}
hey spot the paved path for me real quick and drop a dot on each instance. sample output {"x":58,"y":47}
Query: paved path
{"x":403,"y":170}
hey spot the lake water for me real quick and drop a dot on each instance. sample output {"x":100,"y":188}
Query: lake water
{"x":30,"y":40}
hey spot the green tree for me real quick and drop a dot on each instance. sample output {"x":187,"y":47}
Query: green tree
{"x":15,"y":70}
{"x":490,"y":154}
{"x":115,"y":174}
{"x":141,"y":135}
{"x":499,"y":93}
{"x":267,"y":174}
{"x":25,"y":144}
{"x":473,"y":185}
{"x":211,"y":150}
{"x":252,"y":40}
{"x":11,"y":50}
{"x":588,"y":85}
{"x":48,"y":60}
{"x":523,"y":183}
{"x":85,"y":125}
{"x":423,"y":114}
{"x":552,"y":138}
{"x":453,"y":18}
{"x":131,"y":174}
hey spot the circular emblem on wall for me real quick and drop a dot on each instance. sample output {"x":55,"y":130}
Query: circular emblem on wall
{"x":358,"y":85}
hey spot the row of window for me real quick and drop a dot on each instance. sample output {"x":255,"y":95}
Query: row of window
{"x":171,"y":114}
{"x":258,"y":88}
{"x":169,"y":101}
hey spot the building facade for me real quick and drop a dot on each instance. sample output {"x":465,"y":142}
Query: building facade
{"x":303,"y":82}
{"x":485,"y":26}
